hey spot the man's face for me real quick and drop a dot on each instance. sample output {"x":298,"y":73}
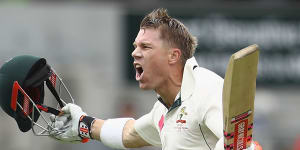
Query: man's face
{"x":150,"y":59}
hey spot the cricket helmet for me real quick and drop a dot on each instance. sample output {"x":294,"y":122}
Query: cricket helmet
{"x":30,"y":72}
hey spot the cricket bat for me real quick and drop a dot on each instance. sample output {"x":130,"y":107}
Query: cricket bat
{"x":238,"y":98}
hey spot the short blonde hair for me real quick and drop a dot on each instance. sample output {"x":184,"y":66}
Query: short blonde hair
{"x":172,"y":31}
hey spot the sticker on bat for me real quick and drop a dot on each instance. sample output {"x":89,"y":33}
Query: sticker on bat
{"x":241,"y":116}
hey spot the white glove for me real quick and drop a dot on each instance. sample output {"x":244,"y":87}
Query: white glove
{"x":60,"y":122}
{"x":68,"y":123}
{"x":254,"y":146}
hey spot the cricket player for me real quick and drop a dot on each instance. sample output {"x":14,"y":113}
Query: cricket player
{"x":188,"y":111}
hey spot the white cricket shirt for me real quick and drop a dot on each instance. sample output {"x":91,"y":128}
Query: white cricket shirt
{"x":194,"y":121}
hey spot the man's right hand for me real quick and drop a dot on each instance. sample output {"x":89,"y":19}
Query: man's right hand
{"x":70,"y":126}
{"x":130,"y":138}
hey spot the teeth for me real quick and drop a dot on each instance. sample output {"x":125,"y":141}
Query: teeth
{"x":138,"y":66}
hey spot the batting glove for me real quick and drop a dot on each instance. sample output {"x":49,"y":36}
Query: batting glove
{"x":60,"y":122}
{"x":76,"y":128}
{"x":63,"y":129}
{"x":254,"y":146}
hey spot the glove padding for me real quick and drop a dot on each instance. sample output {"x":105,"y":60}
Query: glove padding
{"x":68,"y":124}
{"x":60,"y":123}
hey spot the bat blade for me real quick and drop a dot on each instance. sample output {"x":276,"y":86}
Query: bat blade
{"x":238,"y":98}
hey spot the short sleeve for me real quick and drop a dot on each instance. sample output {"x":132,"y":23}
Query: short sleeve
{"x":214,"y":118}
{"x":144,"y":126}
{"x":210,"y":108}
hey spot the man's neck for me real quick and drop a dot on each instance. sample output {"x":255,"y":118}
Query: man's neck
{"x":169,"y":90}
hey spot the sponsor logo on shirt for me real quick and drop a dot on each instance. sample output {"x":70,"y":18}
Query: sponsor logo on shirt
{"x":181,"y":121}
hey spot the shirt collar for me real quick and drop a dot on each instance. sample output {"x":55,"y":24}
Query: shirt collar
{"x":187,"y":86}
{"x":176,"y":103}
{"x":188,"y":80}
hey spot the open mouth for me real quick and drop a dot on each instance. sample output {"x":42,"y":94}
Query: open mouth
{"x":139,"y":72}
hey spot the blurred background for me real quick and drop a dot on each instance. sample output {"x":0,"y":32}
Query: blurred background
{"x":89,"y":42}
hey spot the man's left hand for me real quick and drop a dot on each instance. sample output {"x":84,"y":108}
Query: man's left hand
{"x":254,"y":146}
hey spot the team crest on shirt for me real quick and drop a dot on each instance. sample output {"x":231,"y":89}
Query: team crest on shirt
{"x":181,"y":121}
